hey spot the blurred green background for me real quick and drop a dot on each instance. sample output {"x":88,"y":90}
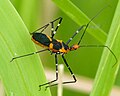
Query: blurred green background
{"x":84,"y":61}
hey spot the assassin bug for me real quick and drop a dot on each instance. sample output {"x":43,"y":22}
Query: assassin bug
{"x":58,"y":47}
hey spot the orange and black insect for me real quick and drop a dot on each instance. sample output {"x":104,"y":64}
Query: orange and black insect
{"x":56,"y":47}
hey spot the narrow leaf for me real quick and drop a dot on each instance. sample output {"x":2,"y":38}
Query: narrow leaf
{"x":20,"y":77}
{"x":107,"y":71}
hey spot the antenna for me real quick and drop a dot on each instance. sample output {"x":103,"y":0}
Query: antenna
{"x":90,"y":22}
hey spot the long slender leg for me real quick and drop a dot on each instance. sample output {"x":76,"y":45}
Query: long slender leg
{"x":73,"y":81}
{"x":41,"y":28}
{"x":28,"y":54}
{"x":56,"y":62}
{"x":86,"y":26}
{"x":70,"y":39}
{"x":53,"y":30}
{"x":105,"y":47}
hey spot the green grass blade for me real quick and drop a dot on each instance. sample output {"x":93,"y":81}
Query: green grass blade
{"x":29,"y":12}
{"x":22,"y":76}
{"x":106,"y":75}
{"x":80,"y":18}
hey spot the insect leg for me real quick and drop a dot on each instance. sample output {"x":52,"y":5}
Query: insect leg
{"x":70,"y":39}
{"x":53,"y":30}
{"x":41,"y":28}
{"x":86,"y":26}
{"x":56,"y":62}
{"x":27,"y":54}
{"x":73,"y":81}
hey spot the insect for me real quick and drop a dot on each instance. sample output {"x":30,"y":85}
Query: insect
{"x":58,"y":47}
